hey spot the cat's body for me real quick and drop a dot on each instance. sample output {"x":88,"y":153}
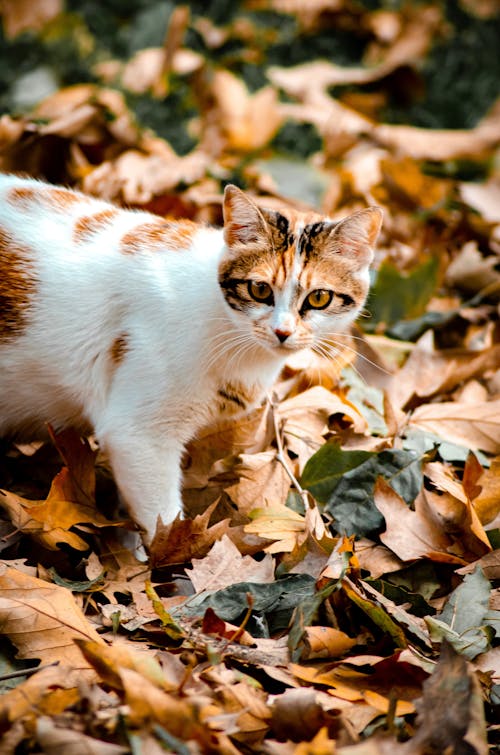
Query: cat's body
{"x":143,"y":330}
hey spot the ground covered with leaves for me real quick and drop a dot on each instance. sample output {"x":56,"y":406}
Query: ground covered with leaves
{"x":337,"y":586}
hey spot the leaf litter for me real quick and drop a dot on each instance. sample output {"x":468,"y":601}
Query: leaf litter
{"x":336,"y":587}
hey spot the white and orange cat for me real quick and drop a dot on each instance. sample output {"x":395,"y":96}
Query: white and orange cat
{"x":142,"y":329}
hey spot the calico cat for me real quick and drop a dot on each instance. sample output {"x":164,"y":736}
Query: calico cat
{"x":142,"y":329}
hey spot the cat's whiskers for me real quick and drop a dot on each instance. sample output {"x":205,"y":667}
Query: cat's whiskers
{"x":223,"y":345}
{"x":339,"y":346}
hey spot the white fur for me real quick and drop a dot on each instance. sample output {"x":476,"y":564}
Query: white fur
{"x":170,"y":307}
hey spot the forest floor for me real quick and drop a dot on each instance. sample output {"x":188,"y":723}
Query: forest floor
{"x":336,"y":588}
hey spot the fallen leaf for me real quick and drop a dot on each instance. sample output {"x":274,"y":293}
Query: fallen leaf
{"x":42,"y":620}
{"x":248,"y":121}
{"x":325,"y":642}
{"x":450,"y":712}
{"x":410,"y":534}
{"x":56,"y":739}
{"x":280,"y":524}
{"x":224,"y":565}
{"x":185,"y":539}
{"x":476,"y":426}
{"x":487,"y":503}
{"x":22,"y":15}
{"x":213,"y":625}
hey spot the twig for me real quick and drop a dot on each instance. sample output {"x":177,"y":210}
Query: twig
{"x":26,"y":671}
{"x":282,"y":457}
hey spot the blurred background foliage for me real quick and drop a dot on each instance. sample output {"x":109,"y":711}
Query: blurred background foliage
{"x":452,"y":88}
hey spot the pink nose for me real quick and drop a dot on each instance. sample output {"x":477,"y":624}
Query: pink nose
{"x":282,"y":334}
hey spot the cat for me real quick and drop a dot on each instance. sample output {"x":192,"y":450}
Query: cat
{"x":142,"y":329}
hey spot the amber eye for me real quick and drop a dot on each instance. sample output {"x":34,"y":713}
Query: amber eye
{"x":260,"y":291}
{"x":318,"y":299}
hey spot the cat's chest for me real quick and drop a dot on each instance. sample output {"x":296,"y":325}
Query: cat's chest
{"x":235,"y":397}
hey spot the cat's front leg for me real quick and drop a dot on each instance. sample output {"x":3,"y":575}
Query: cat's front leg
{"x":147,"y":471}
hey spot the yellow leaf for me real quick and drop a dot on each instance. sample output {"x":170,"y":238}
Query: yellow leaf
{"x":277,"y":523}
{"x":381,"y":703}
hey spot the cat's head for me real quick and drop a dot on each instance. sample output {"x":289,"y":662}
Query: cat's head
{"x":292,"y":279}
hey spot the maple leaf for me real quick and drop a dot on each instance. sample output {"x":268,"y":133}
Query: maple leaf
{"x":185,"y":539}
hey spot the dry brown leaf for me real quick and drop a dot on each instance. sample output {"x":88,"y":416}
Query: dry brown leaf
{"x":411,"y":534}
{"x":411,"y":45}
{"x":262,"y":481}
{"x":429,"y":371}
{"x":483,"y":197}
{"x":407,"y":183}
{"x":42,"y":620}
{"x":458,"y":519}
{"x":249,"y":121}
{"x":135,"y":178}
{"x":24,"y":15}
{"x":48,"y":692}
{"x":55,"y":740}
{"x":71,"y":499}
{"x":144,"y":69}
{"x":250,"y":703}
{"x":487,"y":502}
{"x":108,"y":660}
{"x":451,"y":711}
{"x":326,"y":642}
{"x":278,"y":523}
{"x":248,"y":434}
{"x":185,"y":539}
{"x":217,"y":627}
{"x":475,"y":426}
{"x":305,"y":420}
{"x":471,"y":271}
{"x":440,"y":145}
{"x":224,"y":565}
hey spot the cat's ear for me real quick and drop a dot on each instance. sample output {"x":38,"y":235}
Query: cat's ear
{"x":355,"y":236}
{"x":243,"y":221}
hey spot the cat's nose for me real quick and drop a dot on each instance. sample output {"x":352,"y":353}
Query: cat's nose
{"x":282,"y":334}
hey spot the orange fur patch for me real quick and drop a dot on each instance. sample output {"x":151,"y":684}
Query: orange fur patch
{"x":56,"y":198}
{"x":151,"y":236}
{"x":86,"y":226}
{"x":17,"y":286}
{"x":118,"y":349}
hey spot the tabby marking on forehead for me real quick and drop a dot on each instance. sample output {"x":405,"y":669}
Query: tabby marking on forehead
{"x":86,"y":226}
{"x":54,"y":198}
{"x":158,"y":233}
{"x":17,"y":285}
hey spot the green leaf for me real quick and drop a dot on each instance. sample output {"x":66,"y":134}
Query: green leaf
{"x":397,"y":295}
{"x":424,"y":443}
{"x":464,"y":617}
{"x":325,"y":469}
{"x":351,"y":503}
{"x":376,"y":613}
{"x":399,"y":595}
{"x":304,"y":615}
{"x":275,"y":599}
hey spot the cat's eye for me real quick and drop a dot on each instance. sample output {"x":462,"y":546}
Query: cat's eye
{"x":318,"y":299}
{"x":260,"y":291}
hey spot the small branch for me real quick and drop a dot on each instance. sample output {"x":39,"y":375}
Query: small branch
{"x":26,"y":671}
{"x":282,"y":458}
